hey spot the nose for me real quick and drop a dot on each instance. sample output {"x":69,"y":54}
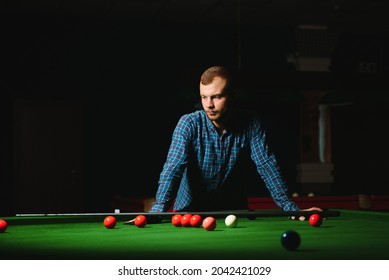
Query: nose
{"x":209,"y":103}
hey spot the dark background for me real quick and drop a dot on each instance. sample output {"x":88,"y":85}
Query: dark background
{"x":134,"y":77}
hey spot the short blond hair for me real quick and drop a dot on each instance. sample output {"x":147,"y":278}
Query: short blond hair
{"x":218,"y":71}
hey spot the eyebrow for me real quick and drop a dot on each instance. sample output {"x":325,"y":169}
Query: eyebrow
{"x":221,"y":93}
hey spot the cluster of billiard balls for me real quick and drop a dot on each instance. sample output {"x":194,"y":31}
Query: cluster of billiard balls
{"x":195,"y":220}
{"x":291,"y":240}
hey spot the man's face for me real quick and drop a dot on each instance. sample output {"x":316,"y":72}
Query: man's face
{"x":214,"y":99}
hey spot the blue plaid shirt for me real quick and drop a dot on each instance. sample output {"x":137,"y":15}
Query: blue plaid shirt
{"x":200,"y":164}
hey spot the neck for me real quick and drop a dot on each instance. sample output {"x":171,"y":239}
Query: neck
{"x":221,"y":129}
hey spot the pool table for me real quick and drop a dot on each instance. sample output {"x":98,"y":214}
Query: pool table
{"x":354,"y":234}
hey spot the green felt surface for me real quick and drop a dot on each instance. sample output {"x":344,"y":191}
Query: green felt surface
{"x":352,"y":235}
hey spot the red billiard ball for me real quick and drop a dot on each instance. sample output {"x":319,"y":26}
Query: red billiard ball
{"x":3,"y":226}
{"x":185,"y":220}
{"x":209,"y":223}
{"x":315,"y":220}
{"x":196,"y":220}
{"x":176,"y":220}
{"x":140,"y":221}
{"x":110,"y":222}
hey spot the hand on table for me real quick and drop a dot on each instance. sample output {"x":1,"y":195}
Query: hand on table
{"x":302,"y":218}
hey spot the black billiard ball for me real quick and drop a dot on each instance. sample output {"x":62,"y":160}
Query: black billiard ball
{"x":290,"y":240}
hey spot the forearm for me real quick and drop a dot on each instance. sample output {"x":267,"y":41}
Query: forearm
{"x":163,"y":199}
{"x":278,"y":190}
{"x":282,"y":200}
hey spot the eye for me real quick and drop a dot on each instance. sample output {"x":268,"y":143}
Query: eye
{"x":218,"y":96}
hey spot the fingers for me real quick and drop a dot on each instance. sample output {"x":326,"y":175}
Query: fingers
{"x":150,"y":220}
{"x":313,"y":209}
{"x":300,"y":218}
{"x":303,"y":218}
{"x":130,"y":222}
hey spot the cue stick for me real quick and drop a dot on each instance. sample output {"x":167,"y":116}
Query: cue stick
{"x":158,"y":216}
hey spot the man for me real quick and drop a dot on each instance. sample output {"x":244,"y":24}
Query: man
{"x":206,"y":160}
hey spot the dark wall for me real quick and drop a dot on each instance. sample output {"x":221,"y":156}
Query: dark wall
{"x":360,"y":149}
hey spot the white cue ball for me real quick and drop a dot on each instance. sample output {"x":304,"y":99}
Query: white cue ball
{"x":231,"y":221}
